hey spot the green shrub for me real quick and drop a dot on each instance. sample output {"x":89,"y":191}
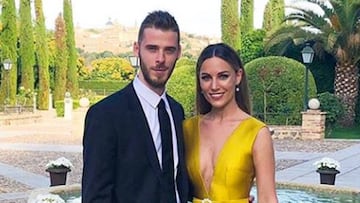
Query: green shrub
{"x":277,"y":89}
{"x":102,"y":87}
{"x":357,"y":111}
{"x":181,"y":86}
{"x":59,"y":106}
{"x":330,"y":104}
{"x":252,"y":45}
{"x":108,"y":68}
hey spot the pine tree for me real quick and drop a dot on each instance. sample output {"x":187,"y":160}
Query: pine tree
{"x":72,"y":83}
{"x":8,"y":42}
{"x":230,"y":30}
{"x":61,"y":59}
{"x":27,"y":50}
{"x":42,"y":57}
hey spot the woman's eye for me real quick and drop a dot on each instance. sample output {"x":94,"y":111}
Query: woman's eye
{"x":205,"y":77}
{"x":224,"y":77}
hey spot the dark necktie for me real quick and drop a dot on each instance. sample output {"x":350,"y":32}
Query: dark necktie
{"x":167,"y":154}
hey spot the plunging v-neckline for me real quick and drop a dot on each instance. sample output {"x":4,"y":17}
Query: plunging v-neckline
{"x":218,"y":158}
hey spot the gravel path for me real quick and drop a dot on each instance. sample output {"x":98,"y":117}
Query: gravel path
{"x":35,"y":161}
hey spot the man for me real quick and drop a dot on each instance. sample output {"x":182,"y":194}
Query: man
{"x":124,"y":151}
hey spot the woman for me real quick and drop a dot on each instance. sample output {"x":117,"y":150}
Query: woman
{"x":226,"y":148}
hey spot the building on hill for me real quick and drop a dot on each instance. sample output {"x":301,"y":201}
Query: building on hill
{"x":113,"y":37}
{"x":118,"y":39}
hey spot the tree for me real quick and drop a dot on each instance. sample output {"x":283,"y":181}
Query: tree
{"x":113,"y":68}
{"x":246,"y":16}
{"x":274,"y":14}
{"x":8,"y":40}
{"x":27,"y":50}
{"x":252,"y":45}
{"x":277,"y":88}
{"x":60,"y":59}
{"x":335,"y":30}
{"x":230,"y":30}
{"x":42,"y":57}
{"x":266,"y":25}
{"x":72,"y":83}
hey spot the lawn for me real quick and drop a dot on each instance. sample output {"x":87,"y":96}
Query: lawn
{"x":345,"y":133}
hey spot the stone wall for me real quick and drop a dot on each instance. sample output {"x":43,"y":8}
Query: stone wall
{"x":19,"y":119}
{"x":312,"y":127}
{"x":286,"y":132}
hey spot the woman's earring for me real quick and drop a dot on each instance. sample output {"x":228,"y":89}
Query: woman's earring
{"x":237,"y":89}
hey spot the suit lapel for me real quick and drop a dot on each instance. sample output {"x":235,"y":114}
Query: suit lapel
{"x":136,"y":113}
{"x":181,"y":176}
{"x":178,"y":118}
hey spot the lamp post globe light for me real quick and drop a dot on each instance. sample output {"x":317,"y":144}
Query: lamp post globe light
{"x":134,"y":61}
{"x":7,"y":66}
{"x":307,"y":56}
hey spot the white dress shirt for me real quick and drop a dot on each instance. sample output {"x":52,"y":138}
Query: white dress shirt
{"x":149,"y":101}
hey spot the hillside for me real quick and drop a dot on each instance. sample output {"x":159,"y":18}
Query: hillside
{"x":119,"y":39}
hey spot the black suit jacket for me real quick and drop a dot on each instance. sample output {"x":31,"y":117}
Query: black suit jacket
{"x":120,"y":160}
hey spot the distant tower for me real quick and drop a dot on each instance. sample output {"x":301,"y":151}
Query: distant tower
{"x":109,"y":22}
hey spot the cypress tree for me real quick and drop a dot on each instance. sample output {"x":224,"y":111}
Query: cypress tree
{"x":61,"y":58}
{"x":72,"y":83}
{"x":279,"y":11}
{"x":246,"y":16}
{"x":27,"y":50}
{"x":42,"y":57}
{"x":267,"y":21}
{"x":230,"y":29}
{"x":274,"y":14}
{"x":8,"y":40}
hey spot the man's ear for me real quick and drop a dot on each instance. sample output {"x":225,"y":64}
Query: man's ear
{"x":179,"y":54}
{"x":136,"y":49}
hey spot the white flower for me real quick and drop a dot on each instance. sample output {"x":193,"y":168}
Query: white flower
{"x":62,"y":161}
{"x":327,"y":163}
{"x":76,"y":200}
{"x":49,"y":198}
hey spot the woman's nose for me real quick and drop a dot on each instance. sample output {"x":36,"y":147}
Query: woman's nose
{"x":214,"y":84}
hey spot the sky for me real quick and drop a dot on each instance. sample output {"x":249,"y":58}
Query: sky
{"x":201,"y":17}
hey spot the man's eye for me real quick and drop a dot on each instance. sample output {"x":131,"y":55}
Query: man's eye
{"x":170,"y":51}
{"x":152,"y":49}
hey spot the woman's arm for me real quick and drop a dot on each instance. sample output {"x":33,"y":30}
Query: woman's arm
{"x":264,"y":161}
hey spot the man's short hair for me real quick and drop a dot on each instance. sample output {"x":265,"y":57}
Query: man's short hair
{"x":162,"y":20}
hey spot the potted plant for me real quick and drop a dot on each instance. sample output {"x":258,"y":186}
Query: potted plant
{"x":58,"y":170}
{"x":327,"y":168}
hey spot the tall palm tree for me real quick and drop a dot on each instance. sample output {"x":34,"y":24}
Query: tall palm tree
{"x":336,"y":30}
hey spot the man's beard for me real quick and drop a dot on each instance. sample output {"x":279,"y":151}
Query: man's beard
{"x":157,"y":82}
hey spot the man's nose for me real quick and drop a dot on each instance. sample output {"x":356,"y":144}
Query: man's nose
{"x":160,"y":58}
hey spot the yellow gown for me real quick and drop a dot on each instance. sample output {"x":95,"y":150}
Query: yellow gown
{"x":234,"y":171}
